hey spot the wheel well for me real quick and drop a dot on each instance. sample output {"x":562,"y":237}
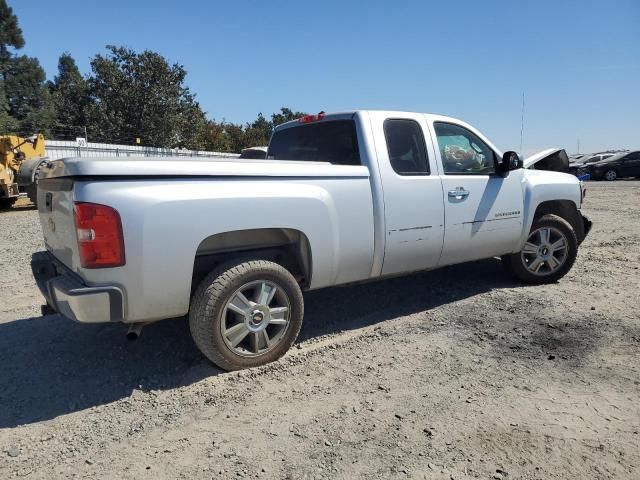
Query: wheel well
{"x":287,"y":247}
{"x":564,"y":209}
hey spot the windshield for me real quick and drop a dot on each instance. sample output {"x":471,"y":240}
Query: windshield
{"x":597,"y":158}
{"x":616,"y":156}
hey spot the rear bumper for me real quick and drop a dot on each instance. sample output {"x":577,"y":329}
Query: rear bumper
{"x":69,"y":296}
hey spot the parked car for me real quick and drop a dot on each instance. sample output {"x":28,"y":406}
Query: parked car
{"x":341,"y":198}
{"x":577,"y":167}
{"x":624,"y":164}
{"x":256,"y":153}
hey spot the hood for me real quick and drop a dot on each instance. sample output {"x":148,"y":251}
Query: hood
{"x":552,"y":159}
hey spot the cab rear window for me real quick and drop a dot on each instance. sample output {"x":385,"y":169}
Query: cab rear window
{"x":334,"y":141}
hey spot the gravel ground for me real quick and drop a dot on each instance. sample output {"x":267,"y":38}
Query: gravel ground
{"x":457,"y":373}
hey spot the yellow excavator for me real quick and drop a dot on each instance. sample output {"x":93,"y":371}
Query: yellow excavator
{"x":20,"y":163}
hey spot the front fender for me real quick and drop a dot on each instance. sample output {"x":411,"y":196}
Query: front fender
{"x":542,"y":187}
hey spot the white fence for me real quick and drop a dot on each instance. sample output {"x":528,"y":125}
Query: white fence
{"x":69,"y":148}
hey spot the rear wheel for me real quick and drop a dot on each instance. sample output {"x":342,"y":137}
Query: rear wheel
{"x":548,"y":254}
{"x":610,"y":175}
{"x":246,"y":313}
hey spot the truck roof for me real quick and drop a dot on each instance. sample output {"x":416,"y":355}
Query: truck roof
{"x":433,"y":117}
{"x":390,"y":113}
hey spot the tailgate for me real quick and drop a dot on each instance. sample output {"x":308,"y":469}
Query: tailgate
{"x":55,"y":207}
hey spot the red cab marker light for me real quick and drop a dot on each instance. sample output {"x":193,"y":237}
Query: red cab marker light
{"x":311,"y":118}
{"x":100,"y":238}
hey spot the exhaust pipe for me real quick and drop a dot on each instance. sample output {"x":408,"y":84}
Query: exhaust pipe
{"x":135,"y":330}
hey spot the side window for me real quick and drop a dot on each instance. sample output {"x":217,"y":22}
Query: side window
{"x":462,"y":152}
{"x":406,"y":147}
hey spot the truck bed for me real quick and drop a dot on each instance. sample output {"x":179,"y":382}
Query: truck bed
{"x":173,"y":209}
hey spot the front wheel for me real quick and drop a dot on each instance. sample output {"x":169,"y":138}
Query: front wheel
{"x":246,"y":314}
{"x":548,"y":254}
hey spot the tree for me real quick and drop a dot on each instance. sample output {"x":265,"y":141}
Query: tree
{"x":70,"y":95}
{"x":10,"y":33}
{"x":258,"y":132}
{"x":215,"y":137}
{"x":285,"y":115}
{"x":230,"y":137}
{"x":27,"y":98}
{"x":10,"y":37}
{"x":139,"y":95}
{"x":25,"y":103}
{"x":235,"y":136}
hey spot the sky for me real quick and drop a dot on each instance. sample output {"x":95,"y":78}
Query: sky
{"x":576,"y":61}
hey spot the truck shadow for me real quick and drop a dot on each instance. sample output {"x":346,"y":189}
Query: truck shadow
{"x":52,"y":366}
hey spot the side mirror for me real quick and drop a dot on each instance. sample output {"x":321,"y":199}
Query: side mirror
{"x":511,"y":161}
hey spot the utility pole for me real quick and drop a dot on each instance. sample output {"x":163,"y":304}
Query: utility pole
{"x":578,"y":146}
{"x":522,"y":123}
{"x":85,"y":135}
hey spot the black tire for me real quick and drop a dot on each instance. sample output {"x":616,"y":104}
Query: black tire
{"x":213,"y":293}
{"x":610,"y":175}
{"x":32,"y":193}
{"x":516,"y":266}
{"x":32,"y":190}
{"x":6,"y":203}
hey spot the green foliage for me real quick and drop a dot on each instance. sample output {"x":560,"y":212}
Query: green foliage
{"x":257,"y":133}
{"x":25,"y":102}
{"x":285,"y":115}
{"x":230,"y":137}
{"x":70,"y":95}
{"x":27,"y":99}
{"x":10,"y":33}
{"x":139,"y":95}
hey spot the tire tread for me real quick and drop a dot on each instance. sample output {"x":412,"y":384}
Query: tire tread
{"x":513,"y":263}
{"x":209,"y":294}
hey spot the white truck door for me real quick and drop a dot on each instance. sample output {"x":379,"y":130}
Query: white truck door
{"x":483,"y":209}
{"x":412,"y":189}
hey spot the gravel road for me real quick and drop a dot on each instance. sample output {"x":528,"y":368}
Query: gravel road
{"x":457,"y":373}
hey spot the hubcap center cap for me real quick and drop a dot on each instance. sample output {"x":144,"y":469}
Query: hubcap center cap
{"x":257,"y":316}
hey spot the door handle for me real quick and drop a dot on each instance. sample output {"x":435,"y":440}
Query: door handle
{"x":459,"y":193}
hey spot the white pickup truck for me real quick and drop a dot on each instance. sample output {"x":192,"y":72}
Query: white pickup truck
{"x":340,"y":198}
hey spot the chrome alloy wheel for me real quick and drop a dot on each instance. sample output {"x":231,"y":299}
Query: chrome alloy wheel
{"x":545,"y":251}
{"x":255,"y":318}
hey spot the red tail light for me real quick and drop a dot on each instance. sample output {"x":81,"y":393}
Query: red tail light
{"x":100,"y":238}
